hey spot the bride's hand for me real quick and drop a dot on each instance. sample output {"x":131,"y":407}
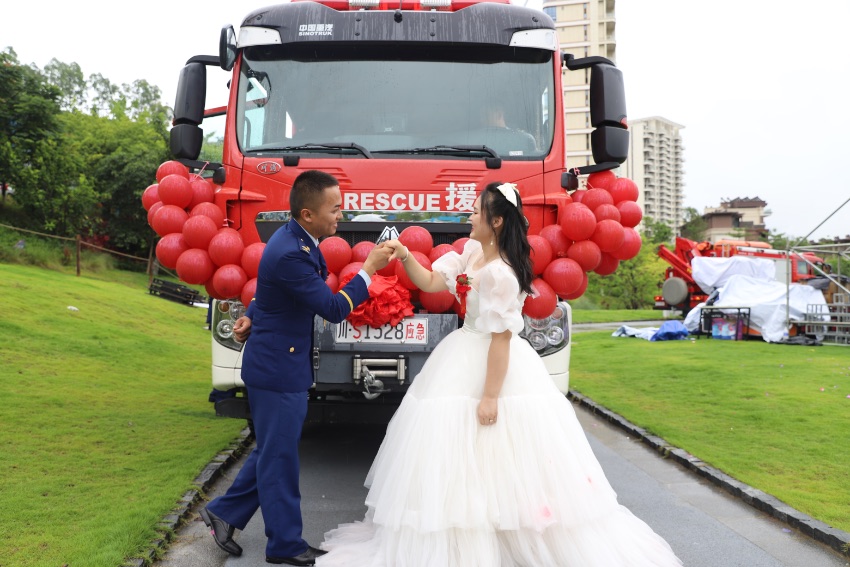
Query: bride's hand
{"x":488,"y":411}
{"x":399,"y":249}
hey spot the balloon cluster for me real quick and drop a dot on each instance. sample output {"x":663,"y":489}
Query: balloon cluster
{"x":594,"y":233}
{"x":195,"y":239}
{"x":344,"y":261}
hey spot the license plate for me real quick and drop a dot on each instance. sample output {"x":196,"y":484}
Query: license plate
{"x":411,"y":331}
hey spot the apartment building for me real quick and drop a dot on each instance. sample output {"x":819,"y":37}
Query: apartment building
{"x":655,"y":164}
{"x":585,"y":28}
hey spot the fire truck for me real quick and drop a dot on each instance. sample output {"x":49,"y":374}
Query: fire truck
{"x":393,"y":99}
{"x":680,"y":291}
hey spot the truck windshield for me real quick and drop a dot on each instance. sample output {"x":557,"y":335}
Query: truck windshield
{"x":497,"y":97}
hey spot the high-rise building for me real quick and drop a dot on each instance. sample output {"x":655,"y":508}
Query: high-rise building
{"x":585,"y":28}
{"x":655,"y":164}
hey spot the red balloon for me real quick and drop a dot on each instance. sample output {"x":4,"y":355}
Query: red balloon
{"x":554,"y":234}
{"x":175,"y":190}
{"x":387,"y":271}
{"x":350,"y":269}
{"x":580,"y":291}
{"x":586,"y":253}
{"x":250,"y":260}
{"x":401,"y":274}
{"x":360,"y":251}
{"x":439,"y":250}
{"x":608,"y":235}
{"x":624,"y":189}
{"x":229,"y":280}
{"x":630,"y":213}
{"x":198,"y":231}
{"x":603,"y":212}
{"x":168,"y":219}
{"x":332,"y":282}
{"x":630,"y":247}
{"x":248,"y":292}
{"x":578,"y":195}
{"x":542,"y":303}
{"x":577,"y":221}
{"x":171,"y":167}
{"x":459,"y":244}
{"x":436,"y":302}
{"x":152,"y":211}
{"x":541,"y":253}
{"x":208,"y":285}
{"x":417,"y":238}
{"x":194,"y":266}
{"x":601,"y":179}
{"x":169,"y":248}
{"x":563,"y":275}
{"x":336,"y":251}
{"x":597,"y":197}
{"x":226,"y":247}
{"x":210,"y":210}
{"x":150,"y":196}
{"x":607,"y":266}
{"x":202,"y":191}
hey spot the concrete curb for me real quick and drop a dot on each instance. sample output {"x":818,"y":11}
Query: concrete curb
{"x":819,"y":531}
{"x":168,"y":525}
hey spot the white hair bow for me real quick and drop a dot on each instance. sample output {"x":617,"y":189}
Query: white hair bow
{"x":510,"y":191}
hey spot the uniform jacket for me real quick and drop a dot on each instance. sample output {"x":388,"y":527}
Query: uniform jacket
{"x":290,"y":292}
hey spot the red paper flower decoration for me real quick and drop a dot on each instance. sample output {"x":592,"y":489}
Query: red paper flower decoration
{"x":462,"y":288}
{"x":388,"y":302}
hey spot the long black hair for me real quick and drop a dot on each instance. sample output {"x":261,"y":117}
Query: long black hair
{"x":513,"y":240}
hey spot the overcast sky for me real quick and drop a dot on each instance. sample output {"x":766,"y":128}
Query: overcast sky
{"x":762,"y":87}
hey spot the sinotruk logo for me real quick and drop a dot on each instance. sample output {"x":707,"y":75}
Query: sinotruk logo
{"x":315,"y":29}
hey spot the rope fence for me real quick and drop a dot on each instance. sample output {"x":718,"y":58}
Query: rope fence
{"x":150,"y":260}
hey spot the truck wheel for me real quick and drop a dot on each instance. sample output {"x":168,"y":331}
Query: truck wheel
{"x":675,"y":292}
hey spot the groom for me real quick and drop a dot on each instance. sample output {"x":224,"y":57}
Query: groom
{"x":277,"y":370}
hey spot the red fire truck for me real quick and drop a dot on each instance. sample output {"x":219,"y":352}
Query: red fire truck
{"x":680,"y":291}
{"x":393,"y":99}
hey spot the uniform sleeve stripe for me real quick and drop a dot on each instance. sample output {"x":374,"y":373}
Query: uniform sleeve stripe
{"x":350,"y":303}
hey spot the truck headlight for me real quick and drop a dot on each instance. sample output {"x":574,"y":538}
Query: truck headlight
{"x":551,"y":334}
{"x":225,"y":314}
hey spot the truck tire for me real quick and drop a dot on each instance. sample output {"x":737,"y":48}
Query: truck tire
{"x":675,"y":291}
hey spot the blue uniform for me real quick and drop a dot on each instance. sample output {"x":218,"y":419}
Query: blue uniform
{"x":277,"y":370}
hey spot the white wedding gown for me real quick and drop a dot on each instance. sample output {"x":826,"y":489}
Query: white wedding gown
{"x":527,"y":491}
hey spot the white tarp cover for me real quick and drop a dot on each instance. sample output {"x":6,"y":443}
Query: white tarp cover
{"x":713,"y":273}
{"x":766,"y":300}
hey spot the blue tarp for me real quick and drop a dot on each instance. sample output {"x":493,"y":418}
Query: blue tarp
{"x":669,"y":331}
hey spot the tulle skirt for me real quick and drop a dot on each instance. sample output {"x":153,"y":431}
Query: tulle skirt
{"x":524,"y":492}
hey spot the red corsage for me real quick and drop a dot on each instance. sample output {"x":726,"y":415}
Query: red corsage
{"x":388,"y":302}
{"x":462,"y":288}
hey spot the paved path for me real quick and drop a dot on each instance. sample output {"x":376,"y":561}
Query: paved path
{"x":706,"y":526}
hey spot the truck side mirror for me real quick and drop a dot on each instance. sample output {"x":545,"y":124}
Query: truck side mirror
{"x":227,"y":48}
{"x":610,"y":140}
{"x":186,"y":137}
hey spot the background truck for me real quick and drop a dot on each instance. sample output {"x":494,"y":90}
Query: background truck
{"x":395,"y":99}
{"x":680,"y":291}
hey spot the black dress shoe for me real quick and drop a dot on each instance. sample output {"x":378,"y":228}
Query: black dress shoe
{"x":305,"y":559}
{"x":222,"y":532}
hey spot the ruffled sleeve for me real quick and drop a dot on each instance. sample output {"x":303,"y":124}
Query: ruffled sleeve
{"x":451,"y":264}
{"x":500,"y":301}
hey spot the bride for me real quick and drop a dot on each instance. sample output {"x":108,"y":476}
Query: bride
{"x":484,"y":463}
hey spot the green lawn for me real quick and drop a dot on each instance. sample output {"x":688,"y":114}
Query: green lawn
{"x":776,"y":417}
{"x":614,"y":315}
{"x":105,"y":418}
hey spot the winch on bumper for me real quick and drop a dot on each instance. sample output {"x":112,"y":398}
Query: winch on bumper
{"x":367,"y":363}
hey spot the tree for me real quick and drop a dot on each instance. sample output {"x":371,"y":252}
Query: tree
{"x":69,"y":79}
{"x":656,"y":232}
{"x":632,"y":286}
{"x":695,"y":226}
{"x":29,"y":118}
